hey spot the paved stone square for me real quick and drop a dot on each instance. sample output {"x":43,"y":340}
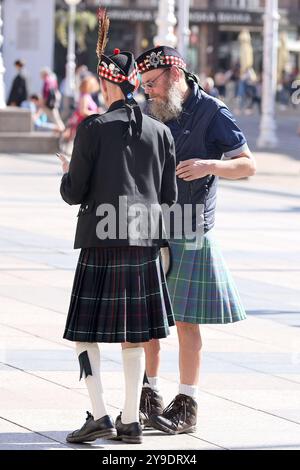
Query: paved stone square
{"x":250,"y":383}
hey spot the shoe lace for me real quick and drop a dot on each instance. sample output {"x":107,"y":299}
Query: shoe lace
{"x":176,"y":411}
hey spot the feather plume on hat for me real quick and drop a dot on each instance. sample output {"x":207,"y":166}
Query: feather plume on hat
{"x":103,"y":27}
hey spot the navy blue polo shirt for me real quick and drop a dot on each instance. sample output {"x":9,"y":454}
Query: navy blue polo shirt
{"x":223,"y":136}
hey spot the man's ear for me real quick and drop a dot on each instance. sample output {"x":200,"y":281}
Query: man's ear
{"x":175,"y":73}
{"x":104,"y":89}
{"x":103,"y":85}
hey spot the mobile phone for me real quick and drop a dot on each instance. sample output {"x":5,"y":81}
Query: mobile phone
{"x":60,"y":156}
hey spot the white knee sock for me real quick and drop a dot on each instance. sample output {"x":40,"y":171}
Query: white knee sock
{"x":134,"y":366}
{"x":93,"y":382}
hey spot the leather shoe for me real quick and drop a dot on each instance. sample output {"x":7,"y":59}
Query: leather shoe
{"x":92,"y":430}
{"x":131,"y":433}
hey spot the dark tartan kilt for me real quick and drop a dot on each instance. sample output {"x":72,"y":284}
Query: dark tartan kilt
{"x":200,"y":285}
{"x":119,"y":294}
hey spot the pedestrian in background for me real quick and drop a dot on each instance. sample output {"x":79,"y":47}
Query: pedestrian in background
{"x":51,"y":97}
{"x":39,"y":118}
{"x":18,"y":92}
{"x":86,"y":106}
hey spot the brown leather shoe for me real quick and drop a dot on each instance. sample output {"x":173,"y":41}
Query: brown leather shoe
{"x":92,"y":430}
{"x":151,"y":404}
{"x":179,"y":417}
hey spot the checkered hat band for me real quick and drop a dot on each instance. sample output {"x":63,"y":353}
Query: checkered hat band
{"x":166,"y":60}
{"x":172,"y":60}
{"x":106,"y":73}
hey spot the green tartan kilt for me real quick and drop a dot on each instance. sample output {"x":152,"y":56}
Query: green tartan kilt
{"x":200,"y":286}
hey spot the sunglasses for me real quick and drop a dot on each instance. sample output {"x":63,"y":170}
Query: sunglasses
{"x":150,"y":84}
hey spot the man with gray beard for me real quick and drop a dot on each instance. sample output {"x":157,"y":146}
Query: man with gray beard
{"x":209,"y":144}
{"x":171,"y":108}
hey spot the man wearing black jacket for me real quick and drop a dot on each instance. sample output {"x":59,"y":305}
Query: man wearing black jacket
{"x":123,"y":163}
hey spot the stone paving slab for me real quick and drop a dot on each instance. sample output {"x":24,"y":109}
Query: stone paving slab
{"x":14,"y":437}
{"x":220,"y":426}
{"x":250,"y":380}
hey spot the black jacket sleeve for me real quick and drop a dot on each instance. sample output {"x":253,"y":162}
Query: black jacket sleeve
{"x":169,"y":185}
{"x":75,"y":183}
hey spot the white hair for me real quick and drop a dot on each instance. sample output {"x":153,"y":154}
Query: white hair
{"x":46,"y":70}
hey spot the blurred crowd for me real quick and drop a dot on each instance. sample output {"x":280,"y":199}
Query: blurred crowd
{"x":243,"y":91}
{"x":51,"y":109}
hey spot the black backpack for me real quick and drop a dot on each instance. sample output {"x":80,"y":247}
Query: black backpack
{"x":51,"y":100}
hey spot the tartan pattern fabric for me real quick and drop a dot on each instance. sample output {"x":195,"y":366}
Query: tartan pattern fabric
{"x":119,"y":294}
{"x":112,"y":76}
{"x":165,"y":60}
{"x":200,"y":286}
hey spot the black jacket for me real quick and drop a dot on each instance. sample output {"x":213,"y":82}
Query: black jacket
{"x":105,"y":166}
{"x":18,"y":92}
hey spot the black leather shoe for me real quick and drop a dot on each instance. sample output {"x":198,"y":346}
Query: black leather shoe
{"x":92,"y":430}
{"x":179,"y":417}
{"x":151,"y":404}
{"x":131,"y":433}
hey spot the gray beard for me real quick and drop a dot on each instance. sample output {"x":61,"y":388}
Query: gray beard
{"x":169,"y":109}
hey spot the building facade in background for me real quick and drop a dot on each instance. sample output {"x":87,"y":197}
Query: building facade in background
{"x":215,"y":26}
{"x":29,"y":33}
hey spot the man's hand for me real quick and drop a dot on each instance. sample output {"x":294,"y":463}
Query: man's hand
{"x":240,"y":166}
{"x":193,"y":169}
{"x":64,"y":163}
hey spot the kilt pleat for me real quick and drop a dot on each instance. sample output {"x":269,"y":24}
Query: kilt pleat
{"x":119,"y":294}
{"x":200,"y":285}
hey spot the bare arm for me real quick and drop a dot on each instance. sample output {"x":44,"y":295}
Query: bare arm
{"x":240,"y":166}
